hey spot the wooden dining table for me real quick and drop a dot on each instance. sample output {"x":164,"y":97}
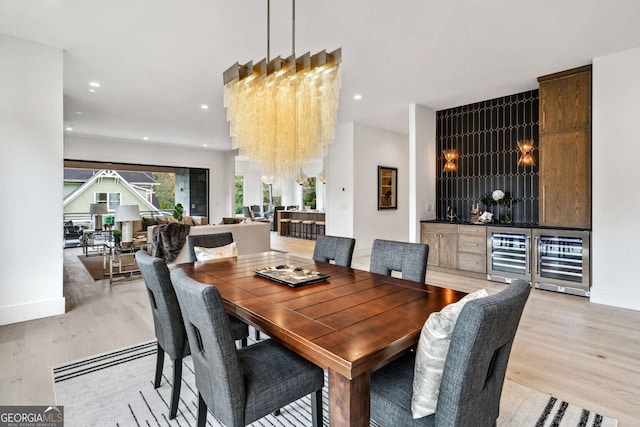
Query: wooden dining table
{"x":349,"y":325}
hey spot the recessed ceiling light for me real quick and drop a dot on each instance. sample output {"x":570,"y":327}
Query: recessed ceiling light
{"x":94,"y":84}
{"x":69,"y":128}
{"x":92,"y":90}
{"x":204,"y":106}
{"x":146,"y":138}
{"x":357,"y":97}
{"x":205,"y":145}
{"x":78,"y":112}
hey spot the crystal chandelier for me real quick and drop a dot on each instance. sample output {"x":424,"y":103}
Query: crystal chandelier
{"x":281,"y":112}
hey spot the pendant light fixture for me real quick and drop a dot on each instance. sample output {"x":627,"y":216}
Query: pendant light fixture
{"x":281,"y":112}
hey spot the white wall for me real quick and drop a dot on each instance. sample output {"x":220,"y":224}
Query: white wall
{"x":422,"y":168}
{"x":378,"y":147}
{"x":340,"y":183}
{"x":30,"y":180}
{"x":125,"y":151}
{"x":616,"y":195}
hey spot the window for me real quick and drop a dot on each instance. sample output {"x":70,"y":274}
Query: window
{"x":111,"y":199}
{"x":309,"y":193}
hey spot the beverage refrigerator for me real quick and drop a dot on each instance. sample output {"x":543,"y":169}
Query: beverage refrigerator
{"x":551,"y":259}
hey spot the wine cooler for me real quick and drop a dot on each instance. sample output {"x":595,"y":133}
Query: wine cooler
{"x":556,"y":260}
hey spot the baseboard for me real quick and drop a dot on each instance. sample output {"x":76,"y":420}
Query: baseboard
{"x":31,"y":310}
{"x":615,"y":298}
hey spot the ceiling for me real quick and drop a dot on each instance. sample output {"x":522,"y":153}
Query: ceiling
{"x":158,"y":61}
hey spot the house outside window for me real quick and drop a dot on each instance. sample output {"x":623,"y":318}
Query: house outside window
{"x":111,"y":199}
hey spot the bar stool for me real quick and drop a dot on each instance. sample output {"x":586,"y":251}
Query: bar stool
{"x":284,"y":226}
{"x":308,"y":226}
{"x":319,"y":226}
{"x":295,"y":229}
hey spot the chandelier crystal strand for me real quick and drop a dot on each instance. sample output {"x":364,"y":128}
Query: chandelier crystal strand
{"x":282,"y":112}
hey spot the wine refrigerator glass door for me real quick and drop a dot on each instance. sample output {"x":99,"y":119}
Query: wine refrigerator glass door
{"x":561,"y":259}
{"x":508,"y":254}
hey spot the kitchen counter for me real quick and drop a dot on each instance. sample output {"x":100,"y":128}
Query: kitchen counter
{"x":512,"y":225}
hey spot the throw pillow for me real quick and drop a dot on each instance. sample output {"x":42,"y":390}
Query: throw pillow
{"x":431,"y":354}
{"x":162,"y":219}
{"x":205,"y":254}
{"x":187,"y":220}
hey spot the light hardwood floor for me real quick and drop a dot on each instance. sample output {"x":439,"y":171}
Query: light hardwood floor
{"x":585,"y":353}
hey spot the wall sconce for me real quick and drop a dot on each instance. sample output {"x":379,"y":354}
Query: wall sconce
{"x":526,"y":157}
{"x":450,"y":157}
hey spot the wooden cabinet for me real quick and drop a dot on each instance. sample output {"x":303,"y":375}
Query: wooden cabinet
{"x":565,"y":148}
{"x":565,"y":184}
{"x":472,"y":248}
{"x":565,"y":101}
{"x":443,"y":243}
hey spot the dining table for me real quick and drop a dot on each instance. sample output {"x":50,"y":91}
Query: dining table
{"x":350,"y":324}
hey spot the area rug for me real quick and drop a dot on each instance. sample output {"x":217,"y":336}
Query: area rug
{"x":94,"y":265}
{"x":116,"y":389}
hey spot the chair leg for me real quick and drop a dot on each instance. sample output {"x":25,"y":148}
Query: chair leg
{"x":202,"y":411}
{"x":243,"y":342}
{"x":316,"y":408}
{"x":257,"y":335}
{"x":277,"y":413}
{"x":175,"y":392}
{"x":159,"y":364}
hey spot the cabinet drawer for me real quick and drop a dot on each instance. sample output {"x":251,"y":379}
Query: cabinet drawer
{"x":472,"y":262}
{"x":472,"y":244}
{"x":439,"y":228}
{"x":473,"y":230}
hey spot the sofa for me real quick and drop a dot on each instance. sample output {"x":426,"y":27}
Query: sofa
{"x":252,"y":237}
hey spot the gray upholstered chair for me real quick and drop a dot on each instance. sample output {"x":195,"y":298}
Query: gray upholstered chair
{"x":240,"y":386}
{"x":214,"y":240}
{"x":168,"y":324}
{"x":338,"y":249}
{"x":408,"y":258}
{"x":473,"y":373}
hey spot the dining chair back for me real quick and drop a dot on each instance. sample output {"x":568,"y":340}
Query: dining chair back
{"x":167,"y":321}
{"x":213,"y":240}
{"x":239,"y":386}
{"x":408,"y":258}
{"x":474,"y":368}
{"x":334,"y":248}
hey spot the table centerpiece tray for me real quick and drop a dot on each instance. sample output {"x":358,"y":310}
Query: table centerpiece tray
{"x":291,"y":276}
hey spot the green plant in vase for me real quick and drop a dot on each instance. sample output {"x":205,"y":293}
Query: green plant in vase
{"x":117,"y":236}
{"x":178,"y":210}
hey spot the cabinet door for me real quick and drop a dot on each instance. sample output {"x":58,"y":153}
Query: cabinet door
{"x":432,"y":239}
{"x":565,"y":179}
{"x":448,"y":251}
{"x":565,"y":103}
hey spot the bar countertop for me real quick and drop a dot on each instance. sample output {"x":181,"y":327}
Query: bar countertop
{"x":511,"y":225}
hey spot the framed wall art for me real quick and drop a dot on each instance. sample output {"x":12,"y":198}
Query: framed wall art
{"x":387,"y":188}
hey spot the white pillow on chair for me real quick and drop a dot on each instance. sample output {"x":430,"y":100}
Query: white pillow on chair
{"x":432,"y":352}
{"x":226,"y":251}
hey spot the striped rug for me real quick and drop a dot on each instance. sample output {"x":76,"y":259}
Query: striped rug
{"x":116,"y":389}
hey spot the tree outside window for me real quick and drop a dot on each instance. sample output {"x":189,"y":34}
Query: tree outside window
{"x":239,"y":194}
{"x":309,"y":192}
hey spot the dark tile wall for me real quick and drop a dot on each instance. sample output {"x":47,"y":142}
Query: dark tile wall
{"x":485,"y":135}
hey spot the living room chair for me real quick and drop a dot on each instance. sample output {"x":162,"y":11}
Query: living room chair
{"x":408,"y":258}
{"x":214,"y":240}
{"x":240,"y":386}
{"x":334,"y":248}
{"x":168,"y":323}
{"x":474,"y":368}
